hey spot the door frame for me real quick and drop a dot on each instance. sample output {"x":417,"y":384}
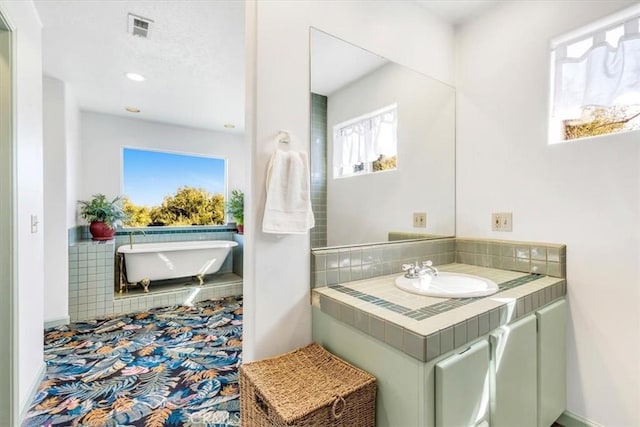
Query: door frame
{"x":8,"y":242}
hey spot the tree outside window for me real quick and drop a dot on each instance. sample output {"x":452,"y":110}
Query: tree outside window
{"x":170,"y":189}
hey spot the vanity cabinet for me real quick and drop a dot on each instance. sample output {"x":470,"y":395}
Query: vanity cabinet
{"x":493,"y":380}
{"x":512,"y":376}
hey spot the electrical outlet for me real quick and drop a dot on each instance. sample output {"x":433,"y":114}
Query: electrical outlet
{"x":501,"y":221}
{"x":420,"y":219}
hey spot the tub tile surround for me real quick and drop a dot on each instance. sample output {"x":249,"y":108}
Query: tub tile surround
{"x":81,"y":233}
{"x":172,"y":234}
{"x":222,"y":287}
{"x":91,"y":278}
{"x":92,"y":273}
{"x":238,"y":254}
{"x":426,"y":327}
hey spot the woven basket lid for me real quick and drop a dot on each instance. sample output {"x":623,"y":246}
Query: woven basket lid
{"x":304,"y":380}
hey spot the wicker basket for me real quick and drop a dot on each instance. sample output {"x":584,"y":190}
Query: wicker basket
{"x":306,"y":387}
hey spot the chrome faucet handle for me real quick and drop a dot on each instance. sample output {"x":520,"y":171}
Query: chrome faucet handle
{"x":428,"y":265}
{"x":410,"y":271}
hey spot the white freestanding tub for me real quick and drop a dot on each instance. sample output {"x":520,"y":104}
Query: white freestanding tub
{"x":145,"y":262}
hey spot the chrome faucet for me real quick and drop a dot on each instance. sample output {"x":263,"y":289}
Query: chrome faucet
{"x":417,"y":270}
{"x":131,"y":233}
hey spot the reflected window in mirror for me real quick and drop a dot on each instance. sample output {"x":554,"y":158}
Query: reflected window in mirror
{"x":379,"y":207}
{"x":366,"y":144}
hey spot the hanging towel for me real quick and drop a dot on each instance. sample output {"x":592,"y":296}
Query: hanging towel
{"x":288,"y":206}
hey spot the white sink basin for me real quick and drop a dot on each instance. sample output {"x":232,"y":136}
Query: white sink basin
{"x":448,"y":285}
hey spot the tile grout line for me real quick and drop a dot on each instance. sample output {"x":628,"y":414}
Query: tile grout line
{"x":428,"y":311}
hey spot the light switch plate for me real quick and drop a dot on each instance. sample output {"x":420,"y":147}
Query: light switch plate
{"x":34,"y":224}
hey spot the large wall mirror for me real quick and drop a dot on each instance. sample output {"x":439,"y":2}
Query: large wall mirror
{"x":382,"y":148}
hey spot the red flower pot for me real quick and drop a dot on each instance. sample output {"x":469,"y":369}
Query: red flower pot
{"x":101,"y":231}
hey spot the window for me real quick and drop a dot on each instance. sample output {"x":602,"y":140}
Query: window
{"x":366,"y":144}
{"x":170,"y":189}
{"x":596,"y":79}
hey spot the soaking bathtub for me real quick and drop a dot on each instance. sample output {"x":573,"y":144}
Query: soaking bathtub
{"x":145,"y":262}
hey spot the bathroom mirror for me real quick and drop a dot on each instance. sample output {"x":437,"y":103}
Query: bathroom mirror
{"x":363,"y":191}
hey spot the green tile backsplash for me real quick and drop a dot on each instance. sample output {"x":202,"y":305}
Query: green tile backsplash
{"x":318,"y":168}
{"x":340,"y":265}
{"x":539,"y":258}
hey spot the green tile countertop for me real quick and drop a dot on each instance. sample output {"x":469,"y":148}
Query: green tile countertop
{"x":426,"y":327}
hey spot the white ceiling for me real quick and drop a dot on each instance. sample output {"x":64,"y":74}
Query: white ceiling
{"x":193,"y":59}
{"x":458,"y":11}
{"x":335,"y":63}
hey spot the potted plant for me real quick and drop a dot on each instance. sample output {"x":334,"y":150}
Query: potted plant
{"x":103,"y":215}
{"x":235,"y":207}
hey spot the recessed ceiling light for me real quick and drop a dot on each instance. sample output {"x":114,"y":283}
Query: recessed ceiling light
{"x":135,"y":77}
{"x":229,"y":125}
{"x":132,"y":109}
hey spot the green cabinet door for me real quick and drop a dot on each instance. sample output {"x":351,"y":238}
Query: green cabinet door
{"x":462,"y":387}
{"x":514,"y":374}
{"x":552,"y":356}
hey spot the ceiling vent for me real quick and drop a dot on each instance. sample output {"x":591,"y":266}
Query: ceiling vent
{"x":139,"y":26}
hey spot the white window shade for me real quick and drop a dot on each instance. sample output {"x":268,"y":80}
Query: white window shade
{"x":604,"y":75}
{"x":365,"y":139}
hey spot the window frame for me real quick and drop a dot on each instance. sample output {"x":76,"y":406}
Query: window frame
{"x":225,"y":193}
{"x":591,"y":30}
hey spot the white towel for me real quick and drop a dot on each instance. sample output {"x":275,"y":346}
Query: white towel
{"x":288,"y":207}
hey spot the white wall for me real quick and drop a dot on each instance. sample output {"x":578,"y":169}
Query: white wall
{"x":276,"y":285}
{"x":365,"y":208}
{"x":73,"y":155}
{"x":60,"y":114}
{"x":585,"y":194}
{"x":103,"y":137}
{"x":28,"y":136}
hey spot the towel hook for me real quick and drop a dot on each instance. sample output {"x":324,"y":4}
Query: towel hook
{"x":284,"y":137}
